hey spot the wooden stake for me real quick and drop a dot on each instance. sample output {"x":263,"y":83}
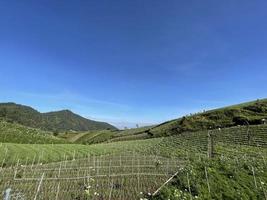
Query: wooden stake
{"x":206,"y":173}
{"x":39,"y":186}
{"x":210,"y":145}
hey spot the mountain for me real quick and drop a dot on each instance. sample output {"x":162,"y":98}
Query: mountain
{"x":67,"y":120}
{"x":58,"y":121}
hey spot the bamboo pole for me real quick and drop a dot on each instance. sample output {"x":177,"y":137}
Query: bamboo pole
{"x":39,"y":186}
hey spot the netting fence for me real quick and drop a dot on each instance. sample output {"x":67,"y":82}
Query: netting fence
{"x":130,"y":175}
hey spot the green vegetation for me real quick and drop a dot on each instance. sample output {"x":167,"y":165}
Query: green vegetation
{"x":56,"y":152}
{"x":231,"y":174}
{"x":242,"y":114}
{"x":89,"y":137}
{"x":59,"y":121}
{"x":134,"y":163}
{"x":121,"y":176}
{"x":228,"y":141}
{"x":252,"y":113}
{"x":220,"y":178}
{"x":16,"y":133}
{"x":96,"y":137}
{"x":72,"y":136}
{"x":133,"y":131}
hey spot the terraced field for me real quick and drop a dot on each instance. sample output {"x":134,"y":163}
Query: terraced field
{"x":15,"y":133}
{"x":44,"y":153}
{"x":138,"y":169}
{"x":186,"y":142}
{"x":121,"y":176}
{"x":91,"y":137}
{"x":96,"y":137}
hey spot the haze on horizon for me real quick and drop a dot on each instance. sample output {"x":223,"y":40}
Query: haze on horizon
{"x":132,"y":62}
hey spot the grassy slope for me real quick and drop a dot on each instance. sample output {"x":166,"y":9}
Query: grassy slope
{"x":227,"y":179}
{"x":72,"y":136}
{"x":195,"y":143}
{"x":56,"y":152}
{"x":96,"y":137}
{"x":133,"y":131}
{"x":91,"y":137}
{"x":15,"y":133}
{"x":252,"y":112}
{"x":240,"y":114}
{"x":230,"y":174}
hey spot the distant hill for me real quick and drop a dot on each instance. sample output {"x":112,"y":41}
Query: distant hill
{"x":252,"y":113}
{"x":58,"y":121}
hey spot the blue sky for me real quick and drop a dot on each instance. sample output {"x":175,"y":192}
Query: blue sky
{"x":129,"y":62}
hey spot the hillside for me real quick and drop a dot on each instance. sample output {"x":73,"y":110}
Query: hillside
{"x":251,"y":113}
{"x":16,"y":133}
{"x":58,"y":121}
{"x":67,"y":120}
{"x":123,"y":169}
{"x":99,"y":136}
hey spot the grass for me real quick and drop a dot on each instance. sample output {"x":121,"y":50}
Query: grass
{"x":220,"y":178}
{"x":230,"y":173}
{"x":238,"y":170}
{"x":241,"y":114}
{"x":96,"y":137}
{"x":178,"y":146}
{"x":45,"y":153}
{"x":133,"y":131}
{"x":15,"y":133}
{"x":72,"y":136}
{"x":95,"y":177}
{"x":251,"y":112}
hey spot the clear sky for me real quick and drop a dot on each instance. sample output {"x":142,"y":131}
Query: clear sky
{"x":128,"y":62}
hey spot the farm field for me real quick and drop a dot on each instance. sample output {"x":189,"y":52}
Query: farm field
{"x":236,"y":116}
{"x":16,"y":133}
{"x":96,"y":177}
{"x":135,"y":169}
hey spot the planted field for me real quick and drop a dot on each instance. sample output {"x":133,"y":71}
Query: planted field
{"x":134,"y":169}
{"x":10,"y":153}
{"x":238,"y":177}
{"x":96,"y":137}
{"x":15,"y":133}
{"x":121,"y":176}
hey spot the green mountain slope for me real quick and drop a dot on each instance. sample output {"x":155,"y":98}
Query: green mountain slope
{"x":242,"y":114}
{"x":16,"y":133}
{"x":251,"y":113}
{"x":64,"y":120}
{"x":67,"y":120}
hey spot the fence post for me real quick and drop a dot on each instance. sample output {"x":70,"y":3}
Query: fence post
{"x":7,"y":194}
{"x":39,"y":186}
{"x":248,"y":135}
{"x":210,"y":145}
